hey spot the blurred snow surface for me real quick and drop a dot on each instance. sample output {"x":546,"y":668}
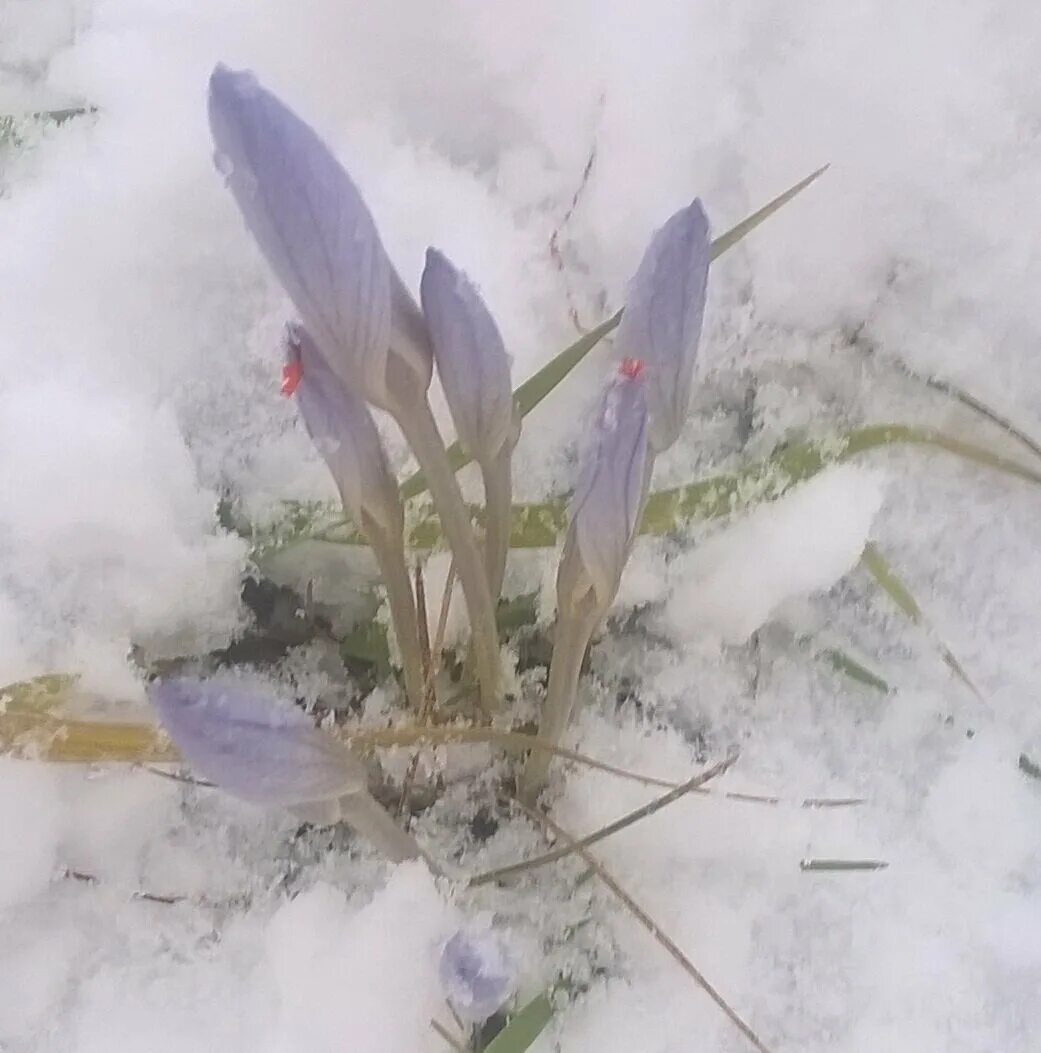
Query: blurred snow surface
{"x":139,"y":381}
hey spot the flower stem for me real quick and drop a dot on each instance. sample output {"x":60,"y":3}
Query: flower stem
{"x":420,"y":430}
{"x":571,"y":639}
{"x":390,"y":555}
{"x":363,"y":813}
{"x":498,"y":516}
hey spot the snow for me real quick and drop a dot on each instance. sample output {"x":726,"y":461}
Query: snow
{"x":139,"y":373}
{"x":801,"y":544}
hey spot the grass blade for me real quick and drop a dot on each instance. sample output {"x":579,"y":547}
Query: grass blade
{"x":879,"y":568}
{"x":541,"y":524}
{"x":523,"y":1028}
{"x":844,"y":663}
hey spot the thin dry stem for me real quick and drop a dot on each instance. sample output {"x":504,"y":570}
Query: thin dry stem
{"x":647,"y":922}
{"x":612,"y":828}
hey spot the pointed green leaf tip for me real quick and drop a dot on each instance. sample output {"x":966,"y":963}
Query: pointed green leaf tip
{"x":524,"y":1027}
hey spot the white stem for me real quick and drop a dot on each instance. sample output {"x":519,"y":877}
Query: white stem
{"x":363,"y":813}
{"x":498,"y":516}
{"x":570,"y":642}
{"x":390,"y":555}
{"x":420,"y":430}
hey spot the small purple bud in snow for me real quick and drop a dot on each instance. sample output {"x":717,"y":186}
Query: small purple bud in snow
{"x":476,"y":975}
{"x":253,"y":745}
{"x":344,"y":433}
{"x":471,"y":360}
{"x":608,"y":499}
{"x":319,"y":238}
{"x":663,"y":317}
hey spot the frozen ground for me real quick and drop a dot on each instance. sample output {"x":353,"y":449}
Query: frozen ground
{"x":138,"y":379}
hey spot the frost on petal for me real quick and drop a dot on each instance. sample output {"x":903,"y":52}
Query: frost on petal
{"x":471,"y":359}
{"x":609,"y":496}
{"x":253,"y":744}
{"x":476,"y":975}
{"x":344,"y":433}
{"x":312,"y":226}
{"x":663,"y":317}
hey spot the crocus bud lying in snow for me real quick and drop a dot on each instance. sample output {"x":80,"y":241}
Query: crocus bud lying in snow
{"x":605,"y":513}
{"x":319,"y":238}
{"x":253,"y":745}
{"x":663,"y":317}
{"x":344,"y":433}
{"x":476,"y":975}
{"x":471,"y":360}
{"x":261,"y":749}
{"x":475,"y":374}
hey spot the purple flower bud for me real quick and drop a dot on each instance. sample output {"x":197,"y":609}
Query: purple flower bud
{"x":344,"y":433}
{"x":254,"y":745}
{"x":319,"y":238}
{"x":471,"y":360}
{"x":663,"y":316}
{"x":608,"y":500}
{"x":476,"y":975}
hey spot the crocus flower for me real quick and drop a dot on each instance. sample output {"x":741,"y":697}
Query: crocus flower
{"x":663,"y":316}
{"x":320,"y":239}
{"x":476,"y":975}
{"x":254,"y":745}
{"x":269,"y":752}
{"x":343,"y":431}
{"x":604,"y":515}
{"x":475,"y":374}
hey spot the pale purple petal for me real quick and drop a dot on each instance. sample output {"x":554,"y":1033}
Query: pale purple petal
{"x":476,"y":975}
{"x":344,"y":433}
{"x":663,"y":317}
{"x":253,"y":744}
{"x":608,"y":499}
{"x":471,"y":360}
{"x":313,"y":228}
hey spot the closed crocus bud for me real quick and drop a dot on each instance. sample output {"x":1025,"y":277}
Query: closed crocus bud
{"x":663,"y":316}
{"x":471,"y":360}
{"x":253,"y":745}
{"x":608,"y":500}
{"x":605,"y":513}
{"x":320,"y":240}
{"x":476,"y":975}
{"x":343,"y":432}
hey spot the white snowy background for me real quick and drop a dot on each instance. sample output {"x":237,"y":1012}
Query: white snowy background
{"x":139,"y":379}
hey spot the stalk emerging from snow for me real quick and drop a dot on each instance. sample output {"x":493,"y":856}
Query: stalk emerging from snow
{"x":266,"y":751}
{"x":344,"y":433}
{"x":475,"y":374}
{"x":319,"y":238}
{"x":605,"y":512}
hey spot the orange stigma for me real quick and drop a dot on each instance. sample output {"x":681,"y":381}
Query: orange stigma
{"x":292,"y":374}
{"x":632,"y":367}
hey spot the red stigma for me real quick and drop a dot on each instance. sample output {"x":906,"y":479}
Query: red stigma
{"x":292,"y":374}
{"x":632,"y":367}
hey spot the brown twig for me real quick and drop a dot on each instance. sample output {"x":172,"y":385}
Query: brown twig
{"x":612,"y":828}
{"x":149,"y":897}
{"x":647,"y":922}
{"x":554,"y":239}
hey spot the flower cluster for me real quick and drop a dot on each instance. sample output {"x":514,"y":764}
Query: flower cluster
{"x":361,"y":341}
